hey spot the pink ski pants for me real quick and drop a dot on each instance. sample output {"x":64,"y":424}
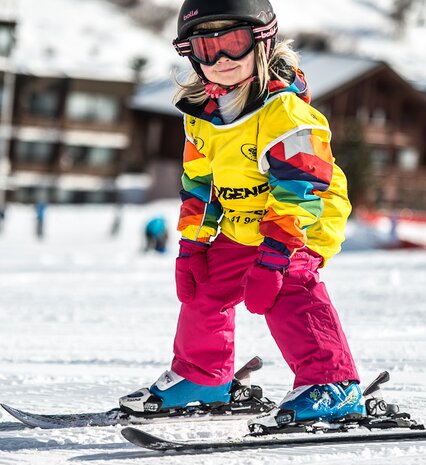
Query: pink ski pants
{"x":303,"y":322}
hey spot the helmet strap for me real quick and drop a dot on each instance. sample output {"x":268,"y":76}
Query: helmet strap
{"x":269,"y":47}
{"x":212,"y":89}
{"x":216,"y":90}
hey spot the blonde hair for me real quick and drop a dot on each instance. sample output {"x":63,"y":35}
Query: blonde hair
{"x":193,"y":90}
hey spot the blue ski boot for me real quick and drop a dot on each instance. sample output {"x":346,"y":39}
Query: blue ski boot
{"x":173,"y":391}
{"x":320,"y":402}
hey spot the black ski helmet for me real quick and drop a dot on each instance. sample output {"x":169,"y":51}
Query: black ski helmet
{"x":193,"y":12}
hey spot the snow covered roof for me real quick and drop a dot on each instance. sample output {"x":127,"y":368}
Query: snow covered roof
{"x":324,"y":72}
{"x":328,"y":71}
{"x":156,"y":98}
{"x":85,"y":38}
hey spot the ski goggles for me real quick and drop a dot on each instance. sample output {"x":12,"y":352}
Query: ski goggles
{"x":234,"y":43}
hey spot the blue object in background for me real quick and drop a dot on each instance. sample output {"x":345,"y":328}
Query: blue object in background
{"x":156,"y":234}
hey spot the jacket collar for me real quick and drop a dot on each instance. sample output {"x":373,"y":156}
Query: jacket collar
{"x":209,"y":110}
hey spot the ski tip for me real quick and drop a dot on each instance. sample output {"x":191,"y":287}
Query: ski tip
{"x":127,"y":432}
{"x":130,"y":433}
{"x":8,"y":408}
{"x":148,"y":441}
{"x":256,"y":363}
{"x":140,"y":438}
{"x":383,"y":377}
{"x":18,"y":415}
{"x":13,"y":411}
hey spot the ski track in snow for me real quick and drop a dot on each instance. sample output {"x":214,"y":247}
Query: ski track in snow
{"x":85,"y":318}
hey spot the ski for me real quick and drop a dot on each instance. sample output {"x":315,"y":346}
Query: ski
{"x":148,"y":441}
{"x":383,"y":423}
{"x":47,"y":421}
{"x":116,"y":416}
{"x":244,"y":407}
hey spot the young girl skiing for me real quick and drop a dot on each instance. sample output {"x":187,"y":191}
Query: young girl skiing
{"x":258,"y":166}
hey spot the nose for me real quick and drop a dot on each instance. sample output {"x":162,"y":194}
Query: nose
{"x":222,"y":59}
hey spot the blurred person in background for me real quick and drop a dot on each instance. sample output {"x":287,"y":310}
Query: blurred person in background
{"x":156,"y":235}
{"x":2,"y":218}
{"x":40,"y":217}
{"x":116,"y":221}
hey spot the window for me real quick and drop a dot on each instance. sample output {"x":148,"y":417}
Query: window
{"x":100,"y":156}
{"x":90,"y":156}
{"x":6,"y":39}
{"x":39,"y":152}
{"x":40,"y":97}
{"x":63,"y":196}
{"x":83,"y":106}
{"x":362,"y":114}
{"x":354,"y":100}
{"x":408,"y":159}
{"x":409,"y":114}
{"x":380,"y":157}
{"x":378,"y":117}
{"x":45,"y":103}
{"x":96,"y":197}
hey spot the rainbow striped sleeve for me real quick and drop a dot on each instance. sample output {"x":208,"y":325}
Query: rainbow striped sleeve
{"x":300,"y":168}
{"x":200,"y":210}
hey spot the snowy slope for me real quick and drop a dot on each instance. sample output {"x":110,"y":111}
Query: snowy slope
{"x":85,"y":318}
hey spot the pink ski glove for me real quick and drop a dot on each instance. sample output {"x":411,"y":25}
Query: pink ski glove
{"x":264,"y":279}
{"x":191,"y":268}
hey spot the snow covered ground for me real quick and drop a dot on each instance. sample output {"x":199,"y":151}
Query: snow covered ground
{"x":86,"y":317}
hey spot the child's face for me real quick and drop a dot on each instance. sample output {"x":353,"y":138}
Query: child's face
{"x":227,"y":72}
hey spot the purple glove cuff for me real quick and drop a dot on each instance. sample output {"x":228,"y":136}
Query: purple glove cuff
{"x":270,"y":258}
{"x":188,"y":247}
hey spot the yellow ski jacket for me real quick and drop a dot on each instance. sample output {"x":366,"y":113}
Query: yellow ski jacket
{"x":268,"y":174}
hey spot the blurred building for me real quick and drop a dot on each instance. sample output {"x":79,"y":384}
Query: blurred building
{"x":378,"y":121}
{"x":158,"y":138}
{"x":66,"y":126}
{"x":378,"y":118}
{"x":70,"y":138}
{"x":67,"y":139}
{"x":7,"y":42}
{"x":78,"y":137}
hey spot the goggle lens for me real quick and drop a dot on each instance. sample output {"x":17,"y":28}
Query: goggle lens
{"x":206,"y":49}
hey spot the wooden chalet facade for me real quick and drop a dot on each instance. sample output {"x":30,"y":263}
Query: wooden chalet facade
{"x":64,"y":138}
{"x":158,"y":138}
{"x":367,"y":100}
{"x":378,"y":122}
{"x":69,"y":138}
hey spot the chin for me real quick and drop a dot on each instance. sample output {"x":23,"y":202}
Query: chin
{"x":228,"y":82}
{"x":225,"y":80}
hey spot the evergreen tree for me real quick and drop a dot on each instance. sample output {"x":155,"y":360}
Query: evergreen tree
{"x":353,"y":156}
